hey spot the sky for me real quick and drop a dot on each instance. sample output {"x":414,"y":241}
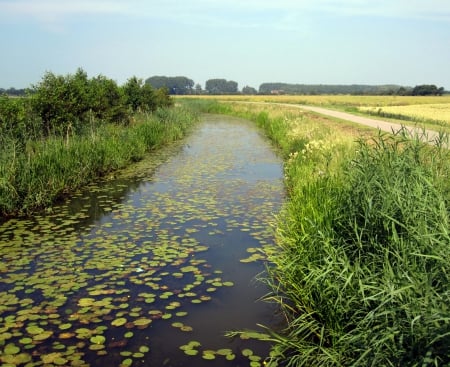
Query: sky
{"x":405,"y":42}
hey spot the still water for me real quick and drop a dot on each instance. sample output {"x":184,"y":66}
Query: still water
{"x":151,"y":267}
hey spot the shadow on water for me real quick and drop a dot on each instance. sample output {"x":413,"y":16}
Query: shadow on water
{"x":150,"y":268}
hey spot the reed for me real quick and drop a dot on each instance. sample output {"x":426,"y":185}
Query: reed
{"x":362,"y":270}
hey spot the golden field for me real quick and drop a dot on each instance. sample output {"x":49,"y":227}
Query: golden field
{"x":336,"y":100}
{"x":439,"y":112}
{"x":429,"y":111}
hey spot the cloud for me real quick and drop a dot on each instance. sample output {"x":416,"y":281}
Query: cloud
{"x":52,"y":11}
{"x":223,"y":13}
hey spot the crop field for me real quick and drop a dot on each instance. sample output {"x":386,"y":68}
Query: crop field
{"x":437,"y":112}
{"x":431,"y":112}
{"x":338,"y":100}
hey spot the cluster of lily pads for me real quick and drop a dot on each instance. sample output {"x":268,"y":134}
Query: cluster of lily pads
{"x":79,"y":288}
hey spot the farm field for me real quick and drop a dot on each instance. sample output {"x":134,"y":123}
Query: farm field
{"x":437,"y":112}
{"x":428,"y":112}
{"x":336,"y":100}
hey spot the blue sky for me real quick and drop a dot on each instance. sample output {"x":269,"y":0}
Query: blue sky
{"x":403,"y":42}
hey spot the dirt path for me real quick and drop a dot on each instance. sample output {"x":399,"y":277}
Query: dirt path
{"x":430,"y":136}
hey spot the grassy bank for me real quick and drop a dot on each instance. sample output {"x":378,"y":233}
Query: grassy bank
{"x":33,"y":174}
{"x":361,"y":271}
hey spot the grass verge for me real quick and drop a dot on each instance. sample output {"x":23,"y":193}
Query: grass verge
{"x":33,"y":175}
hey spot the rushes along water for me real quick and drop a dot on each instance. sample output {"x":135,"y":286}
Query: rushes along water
{"x":151,"y":268}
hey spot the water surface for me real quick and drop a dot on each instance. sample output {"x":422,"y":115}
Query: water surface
{"x":146,"y":267}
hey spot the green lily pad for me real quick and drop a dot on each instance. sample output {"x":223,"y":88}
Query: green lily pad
{"x":11,"y":349}
{"x":119,"y":321}
{"x":43,"y":336}
{"x":144,"y":349}
{"x":127,"y":362}
{"x":34,"y":330}
{"x":142,"y":322}
{"x":98,"y":339}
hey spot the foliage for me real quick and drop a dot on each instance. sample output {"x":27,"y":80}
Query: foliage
{"x":221,"y":86}
{"x":427,"y":90}
{"x":313,"y":89}
{"x":17,"y":121}
{"x":175,"y":85}
{"x":13,"y":92}
{"x":139,"y":96}
{"x":62,"y":102}
{"x":64,"y":105}
{"x":362,"y":271}
{"x":249,"y":90}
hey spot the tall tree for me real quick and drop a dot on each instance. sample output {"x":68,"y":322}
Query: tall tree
{"x":221,"y":86}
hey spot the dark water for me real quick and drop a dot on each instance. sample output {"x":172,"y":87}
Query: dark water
{"x":137,"y":268}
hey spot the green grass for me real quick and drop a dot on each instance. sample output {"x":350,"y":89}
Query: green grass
{"x":362,"y":272}
{"x":34,"y":175}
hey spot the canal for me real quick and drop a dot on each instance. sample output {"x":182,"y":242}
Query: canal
{"x":152,"y":267}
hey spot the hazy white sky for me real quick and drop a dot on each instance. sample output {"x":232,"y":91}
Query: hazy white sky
{"x":249,"y":41}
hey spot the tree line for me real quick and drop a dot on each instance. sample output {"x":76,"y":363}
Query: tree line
{"x":60,"y":104}
{"x":182,"y":85}
{"x":356,"y":89}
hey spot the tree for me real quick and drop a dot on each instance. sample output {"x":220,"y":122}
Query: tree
{"x":107,"y":100}
{"x":221,"y":86}
{"x":249,"y":90}
{"x":175,"y":85}
{"x":198,"y":89}
{"x":427,"y":90}
{"x":62,"y":102}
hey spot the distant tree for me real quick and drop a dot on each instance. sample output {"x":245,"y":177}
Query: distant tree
{"x":175,"y":85}
{"x":221,"y":86}
{"x":249,"y":90}
{"x":427,"y":90}
{"x":13,"y":92}
{"x":198,"y":89}
{"x":353,"y":89}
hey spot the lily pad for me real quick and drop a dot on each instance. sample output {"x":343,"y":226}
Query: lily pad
{"x":119,"y":321}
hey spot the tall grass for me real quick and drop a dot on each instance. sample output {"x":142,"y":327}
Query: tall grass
{"x":362,"y":273}
{"x":34,"y":174}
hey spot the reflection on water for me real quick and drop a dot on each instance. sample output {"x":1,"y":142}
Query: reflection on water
{"x":134,"y":268}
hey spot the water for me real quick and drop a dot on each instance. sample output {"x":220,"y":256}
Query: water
{"x":148,"y":266}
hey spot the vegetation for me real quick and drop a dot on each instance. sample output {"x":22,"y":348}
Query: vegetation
{"x":353,"y":89}
{"x":438,"y":113}
{"x":361,"y":271}
{"x":72,"y":129}
{"x":221,"y":86}
{"x":175,"y":85}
